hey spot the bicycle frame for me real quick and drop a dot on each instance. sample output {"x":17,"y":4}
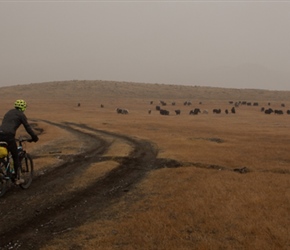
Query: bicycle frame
{"x":8,"y":160}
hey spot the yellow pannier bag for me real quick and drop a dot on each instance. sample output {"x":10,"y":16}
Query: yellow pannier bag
{"x":3,"y":152}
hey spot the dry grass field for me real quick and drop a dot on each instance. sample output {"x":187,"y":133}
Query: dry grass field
{"x":151,"y":181}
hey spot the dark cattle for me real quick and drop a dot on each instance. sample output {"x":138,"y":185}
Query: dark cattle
{"x":282,"y":105}
{"x":79,"y":104}
{"x":231,"y":102}
{"x":269,"y":104}
{"x":157,"y":107}
{"x":194,"y":111}
{"x":102,"y":105}
{"x":249,"y":103}
{"x":269,"y":111}
{"x":241,"y":170}
{"x":278,"y":112}
{"x":151,"y":102}
{"x":163,"y":103}
{"x":226,"y":111}
{"x":200,"y":103}
{"x":187,"y":103}
{"x":233,"y":110}
{"x":122,"y":111}
{"x":288,"y":112}
{"x":177,"y":111}
{"x":256,"y":104}
{"x":216,"y":111}
{"x":262,"y":109}
{"x":173,"y":103}
{"x":164,"y":112}
{"x":149,"y":111}
{"x":244,"y":102}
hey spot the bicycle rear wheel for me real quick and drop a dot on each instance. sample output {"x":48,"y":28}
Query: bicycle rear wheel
{"x":3,"y":181}
{"x":26,"y":171}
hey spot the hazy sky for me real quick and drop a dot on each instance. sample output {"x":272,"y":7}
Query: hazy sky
{"x":236,"y":44}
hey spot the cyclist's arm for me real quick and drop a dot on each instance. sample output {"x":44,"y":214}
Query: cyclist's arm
{"x":28,"y":128}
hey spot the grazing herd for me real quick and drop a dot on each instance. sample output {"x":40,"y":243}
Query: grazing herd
{"x":235,"y":105}
{"x":194,"y":111}
{"x":275,"y":111}
{"x":232,"y":110}
{"x":162,"y":111}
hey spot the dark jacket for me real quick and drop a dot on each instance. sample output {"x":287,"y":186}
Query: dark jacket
{"x":12,"y":120}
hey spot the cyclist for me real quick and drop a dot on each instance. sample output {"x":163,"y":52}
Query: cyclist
{"x":10,"y":123}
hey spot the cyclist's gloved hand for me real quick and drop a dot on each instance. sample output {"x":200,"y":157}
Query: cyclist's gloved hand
{"x":35,"y":138}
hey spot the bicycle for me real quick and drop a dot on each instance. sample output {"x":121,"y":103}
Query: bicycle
{"x":25,"y":170}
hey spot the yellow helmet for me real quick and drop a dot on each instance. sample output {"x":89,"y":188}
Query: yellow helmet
{"x":20,"y":104}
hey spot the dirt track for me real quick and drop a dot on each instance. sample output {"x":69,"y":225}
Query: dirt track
{"x":45,"y":209}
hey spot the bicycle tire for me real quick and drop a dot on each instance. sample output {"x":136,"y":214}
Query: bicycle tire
{"x":3,"y":181}
{"x":26,"y":171}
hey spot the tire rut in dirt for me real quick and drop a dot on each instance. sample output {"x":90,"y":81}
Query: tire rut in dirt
{"x":45,"y":187}
{"x":77,"y":208}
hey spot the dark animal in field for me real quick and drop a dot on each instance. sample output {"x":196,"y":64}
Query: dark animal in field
{"x":241,"y":170}
{"x":102,"y":105}
{"x":187,"y":103}
{"x":278,"y":112}
{"x":255,"y":104}
{"x":262,"y":109}
{"x":163,"y":103}
{"x":177,"y":111}
{"x":288,"y":112}
{"x":164,"y":112}
{"x":231,"y":102}
{"x":149,"y":111}
{"x":158,"y":108}
{"x":194,"y":111}
{"x":249,"y":103}
{"x":122,"y":111}
{"x":173,"y":103}
{"x":217,"y":111}
{"x":79,"y":104}
{"x":282,"y":105}
{"x":269,"y":111}
{"x":233,"y":110}
{"x":151,"y":102}
{"x":226,"y":111}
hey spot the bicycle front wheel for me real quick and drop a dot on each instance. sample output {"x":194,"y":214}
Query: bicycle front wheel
{"x":26,"y":171}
